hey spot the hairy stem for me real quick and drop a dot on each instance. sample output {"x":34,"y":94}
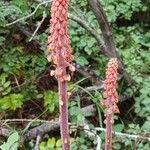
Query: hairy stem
{"x":63,"y":103}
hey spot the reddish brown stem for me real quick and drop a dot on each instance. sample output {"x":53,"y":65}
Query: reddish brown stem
{"x":63,"y":103}
{"x":109,"y":124}
{"x":108,"y":139}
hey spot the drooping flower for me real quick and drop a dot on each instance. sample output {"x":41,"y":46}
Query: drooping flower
{"x":58,"y":41}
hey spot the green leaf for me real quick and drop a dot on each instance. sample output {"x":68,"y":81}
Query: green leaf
{"x":11,"y":101}
{"x":74,"y":110}
{"x":13,"y":138}
{"x":3,"y":78}
{"x":12,"y":142}
{"x":50,"y":100}
{"x":59,"y":143}
{"x":119,"y":127}
{"x":6,"y":84}
{"x":43,"y":146}
{"x":23,"y":4}
{"x":51,"y":142}
{"x":82,"y":60}
{"x":80,"y":118}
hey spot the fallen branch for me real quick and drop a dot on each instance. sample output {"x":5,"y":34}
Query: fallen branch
{"x":26,"y":120}
{"x":42,"y":129}
{"x":54,"y":126}
{"x":126,"y":135}
{"x":6,"y":132}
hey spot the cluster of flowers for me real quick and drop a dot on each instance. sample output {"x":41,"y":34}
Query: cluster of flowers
{"x":110,"y":85}
{"x":59,"y":42}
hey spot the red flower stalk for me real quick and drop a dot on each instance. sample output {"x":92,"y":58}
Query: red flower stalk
{"x":59,"y":46}
{"x":111,"y":99}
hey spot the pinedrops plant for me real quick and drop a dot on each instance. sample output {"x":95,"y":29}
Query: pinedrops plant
{"x":111,"y":99}
{"x":59,"y":46}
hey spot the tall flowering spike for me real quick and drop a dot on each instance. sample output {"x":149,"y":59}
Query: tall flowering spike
{"x":111,"y":99}
{"x":58,"y":41}
{"x":59,"y":47}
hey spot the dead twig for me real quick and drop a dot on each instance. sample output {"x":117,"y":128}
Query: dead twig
{"x":38,"y":26}
{"x":30,"y":15}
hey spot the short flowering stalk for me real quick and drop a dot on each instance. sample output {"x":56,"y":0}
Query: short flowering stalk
{"x":111,"y":99}
{"x":59,"y":47}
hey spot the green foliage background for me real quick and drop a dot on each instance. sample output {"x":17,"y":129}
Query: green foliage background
{"x":25,"y":84}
